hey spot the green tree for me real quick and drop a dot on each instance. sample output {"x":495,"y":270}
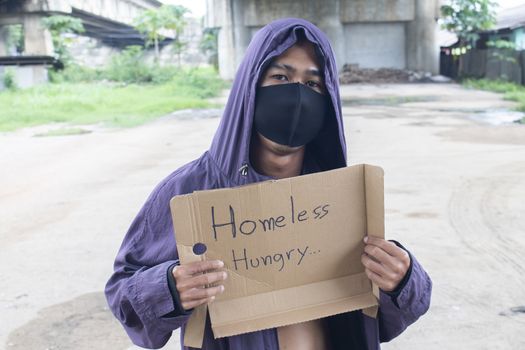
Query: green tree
{"x":174,"y":20}
{"x":59,"y":26}
{"x":209,"y":46}
{"x":153,"y":22}
{"x":466,"y":18}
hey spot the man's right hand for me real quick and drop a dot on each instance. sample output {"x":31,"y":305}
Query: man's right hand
{"x":199,"y":282}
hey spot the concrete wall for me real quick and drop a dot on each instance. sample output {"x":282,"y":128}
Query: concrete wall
{"x":25,"y":76}
{"x":378,"y":10}
{"x":93,"y":53}
{"x":375,"y":45}
{"x":371,"y":33}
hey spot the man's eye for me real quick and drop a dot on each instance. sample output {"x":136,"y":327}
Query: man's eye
{"x":280,"y":77}
{"x":313,"y":84}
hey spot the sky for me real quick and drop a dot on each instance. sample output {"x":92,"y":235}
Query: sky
{"x":510,"y":3}
{"x":198,"y":7}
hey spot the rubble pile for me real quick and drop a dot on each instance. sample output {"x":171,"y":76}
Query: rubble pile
{"x":352,"y":74}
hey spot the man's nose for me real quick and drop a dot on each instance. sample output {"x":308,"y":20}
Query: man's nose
{"x":298,"y":80}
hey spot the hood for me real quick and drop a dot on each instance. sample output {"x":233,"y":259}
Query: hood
{"x":230,"y":147}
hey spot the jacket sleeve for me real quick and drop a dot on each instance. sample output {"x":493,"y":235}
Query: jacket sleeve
{"x":138,"y":292}
{"x":397,"y":312}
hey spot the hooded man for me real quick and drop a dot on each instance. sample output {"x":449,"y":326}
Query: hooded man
{"x":283,"y":118}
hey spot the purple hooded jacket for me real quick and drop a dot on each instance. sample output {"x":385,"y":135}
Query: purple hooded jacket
{"x":138,"y":291}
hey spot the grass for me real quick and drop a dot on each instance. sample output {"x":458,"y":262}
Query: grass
{"x":108,"y":103}
{"x":511,"y":91}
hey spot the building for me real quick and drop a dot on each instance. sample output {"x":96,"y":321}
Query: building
{"x":510,"y":26}
{"x":371,"y":33}
{"x":484,"y":60}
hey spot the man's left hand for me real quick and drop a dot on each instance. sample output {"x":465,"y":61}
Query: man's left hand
{"x":385,"y":263}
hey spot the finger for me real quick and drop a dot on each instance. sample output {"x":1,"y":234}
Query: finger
{"x":374,"y":277}
{"x":380,"y":256}
{"x":374,"y":266}
{"x":393,"y":270}
{"x":200,"y":281}
{"x":387,"y":246}
{"x":201,"y":293}
{"x":198,"y":267}
{"x":194,"y":303}
{"x":379,"y":281}
{"x":204,"y":266}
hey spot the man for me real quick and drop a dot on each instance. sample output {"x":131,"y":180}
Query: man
{"x":283,"y":118}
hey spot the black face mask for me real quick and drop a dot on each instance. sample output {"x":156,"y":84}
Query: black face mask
{"x":289,"y":114}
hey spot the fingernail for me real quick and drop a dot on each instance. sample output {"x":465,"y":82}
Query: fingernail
{"x":222,"y":289}
{"x":220,"y":263}
{"x":212,"y":298}
{"x":365,"y":239}
{"x":224,"y":275}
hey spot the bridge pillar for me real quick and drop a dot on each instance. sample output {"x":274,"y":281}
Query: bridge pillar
{"x":422,"y":49}
{"x":3,"y":40}
{"x":328,"y":14}
{"x":37,"y":39}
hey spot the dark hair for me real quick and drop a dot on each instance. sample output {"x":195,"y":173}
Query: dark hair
{"x":303,"y":40}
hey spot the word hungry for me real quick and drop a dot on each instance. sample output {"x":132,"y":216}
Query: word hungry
{"x":243,"y":260}
{"x":249,"y":226}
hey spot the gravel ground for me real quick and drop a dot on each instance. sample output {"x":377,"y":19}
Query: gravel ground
{"x":454,"y":196}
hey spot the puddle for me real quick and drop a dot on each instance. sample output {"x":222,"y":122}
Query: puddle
{"x":83,"y":323}
{"x":513,"y":311}
{"x":387,"y":101}
{"x":497,"y":116}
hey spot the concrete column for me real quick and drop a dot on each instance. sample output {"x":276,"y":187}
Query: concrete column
{"x":226,"y":44}
{"x":37,"y":38}
{"x":3,"y":40}
{"x":241,"y":33}
{"x":330,"y":23}
{"x":422,"y":49}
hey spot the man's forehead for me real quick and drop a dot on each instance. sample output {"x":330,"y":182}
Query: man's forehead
{"x":298,"y":56}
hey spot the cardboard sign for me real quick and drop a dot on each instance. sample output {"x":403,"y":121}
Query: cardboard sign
{"x":292,"y":247}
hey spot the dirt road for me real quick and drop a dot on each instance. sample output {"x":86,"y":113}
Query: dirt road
{"x":455,"y":190}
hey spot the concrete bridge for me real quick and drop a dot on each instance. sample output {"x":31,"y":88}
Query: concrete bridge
{"x":371,"y":33}
{"x":110,"y":21}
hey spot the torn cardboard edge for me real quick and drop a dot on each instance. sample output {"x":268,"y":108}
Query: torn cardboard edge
{"x":223,"y":327}
{"x":321,"y":299}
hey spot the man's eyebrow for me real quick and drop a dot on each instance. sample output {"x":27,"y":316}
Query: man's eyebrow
{"x":283,"y":66}
{"x":313,"y":71}
{"x":310,"y":71}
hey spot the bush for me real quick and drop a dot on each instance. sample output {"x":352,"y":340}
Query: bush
{"x":75,"y":73}
{"x":129,"y":67}
{"x":9,"y":79}
{"x":198,"y":82}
